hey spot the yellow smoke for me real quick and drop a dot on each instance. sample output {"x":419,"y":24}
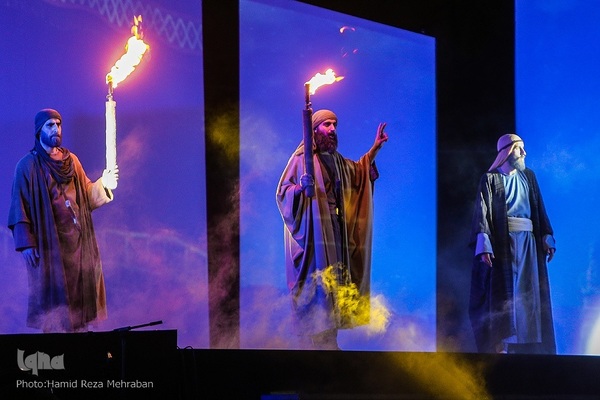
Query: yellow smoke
{"x":353,"y":308}
{"x":220,"y":137}
{"x":380,"y":315}
{"x":445,"y":375}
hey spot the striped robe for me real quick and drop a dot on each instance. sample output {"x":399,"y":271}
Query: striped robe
{"x":310,"y":241}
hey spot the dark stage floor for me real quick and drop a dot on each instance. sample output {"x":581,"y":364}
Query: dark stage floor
{"x":148,"y":364}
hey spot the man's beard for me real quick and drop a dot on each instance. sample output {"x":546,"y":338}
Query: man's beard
{"x":51,"y":141}
{"x":517,"y":162}
{"x":326,"y":143}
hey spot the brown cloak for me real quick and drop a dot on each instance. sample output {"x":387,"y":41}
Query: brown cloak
{"x":67,"y":288}
{"x":309,"y":237}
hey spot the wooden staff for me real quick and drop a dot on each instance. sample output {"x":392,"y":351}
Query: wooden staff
{"x":309,"y":167}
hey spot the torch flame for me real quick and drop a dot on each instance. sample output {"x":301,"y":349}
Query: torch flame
{"x":134,"y":51}
{"x":319,"y":80}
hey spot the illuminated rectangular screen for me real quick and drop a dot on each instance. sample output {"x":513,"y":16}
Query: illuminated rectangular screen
{"x":557,"y":99}
{"x":389,"y":76}
{"x":152,"y":237}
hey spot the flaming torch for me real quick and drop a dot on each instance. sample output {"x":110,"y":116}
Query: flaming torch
{"x":311,"y":87}
{"x":134,"y":51}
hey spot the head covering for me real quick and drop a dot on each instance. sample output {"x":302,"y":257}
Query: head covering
{"x":505,"y":146}
{"x":44,"y":115}
{"x":321,"y":115}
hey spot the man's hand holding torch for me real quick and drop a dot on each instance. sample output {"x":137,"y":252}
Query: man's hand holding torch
{"x":110,"y":178}
{"x":307,"y":181}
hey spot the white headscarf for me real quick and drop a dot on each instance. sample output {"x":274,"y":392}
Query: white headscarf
{"x":505,"y":146}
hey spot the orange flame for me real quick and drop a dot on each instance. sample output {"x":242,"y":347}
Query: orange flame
{"x":319,"y":80}
{"x":134,"y":51}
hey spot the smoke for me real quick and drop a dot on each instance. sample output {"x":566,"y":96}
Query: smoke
{"x":267,"y":321}
{"x":225,"y":280}
{"x":13,"y":289}
{"x":380,"y":315}
{"x":151,"y":237}
{"x":153,"y":276}
{"x":220,"y":137}
{"x":264,"y":158}
{"x":446,"y":375}
{"x":592,"y":346}
{"x":353,"y":308}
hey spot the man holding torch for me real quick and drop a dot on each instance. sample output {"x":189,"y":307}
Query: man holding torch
{"x":328,"y":235}
{"x":50,"y":218}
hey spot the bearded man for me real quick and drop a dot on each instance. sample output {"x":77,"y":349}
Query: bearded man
{"x":510,"y":305}
{"x":50,"y":218}
{"x":328,"y":236}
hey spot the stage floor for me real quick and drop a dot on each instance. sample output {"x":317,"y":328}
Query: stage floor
{"x":148,"y":364}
